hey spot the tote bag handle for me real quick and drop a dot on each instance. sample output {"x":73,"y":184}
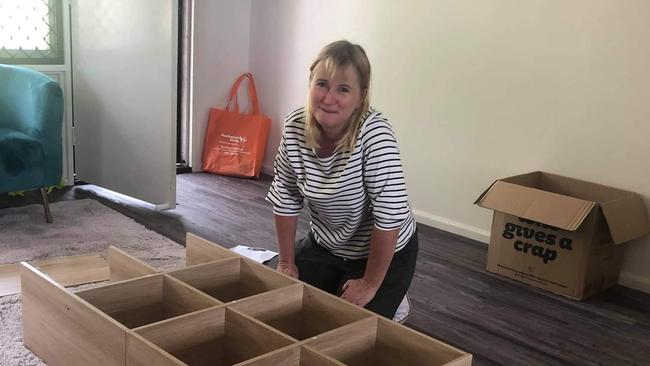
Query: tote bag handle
{"x":252,"y":95}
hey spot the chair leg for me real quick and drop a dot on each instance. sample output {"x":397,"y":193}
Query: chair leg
{"x":46,"y":206}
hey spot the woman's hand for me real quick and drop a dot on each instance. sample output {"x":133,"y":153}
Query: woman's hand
{"x":285,"y":228}
{"x":358,"y":291}
{"x":290,"y":269}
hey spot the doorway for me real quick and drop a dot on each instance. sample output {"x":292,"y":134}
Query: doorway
{"x":184,"y":72}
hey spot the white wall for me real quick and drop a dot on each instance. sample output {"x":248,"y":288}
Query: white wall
{"x":479,"y":90}
{"x":221,"y":53}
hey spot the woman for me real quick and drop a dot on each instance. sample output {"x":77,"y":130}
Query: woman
{"x":342,"y":157}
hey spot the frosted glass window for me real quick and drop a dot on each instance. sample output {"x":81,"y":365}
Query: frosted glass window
{"x":31,"y":32}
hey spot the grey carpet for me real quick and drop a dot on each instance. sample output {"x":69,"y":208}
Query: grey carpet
{"x":80,"y":227}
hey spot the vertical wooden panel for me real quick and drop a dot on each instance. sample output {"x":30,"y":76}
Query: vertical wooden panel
{"x":63,"y":329}
{"x":358,"y":336}
{"x":141,"y":352}
{"x":180,"y":298}
{"x":199,"y":250}
{"x":122,"y":266}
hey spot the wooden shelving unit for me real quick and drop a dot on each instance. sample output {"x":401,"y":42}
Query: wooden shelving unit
{"x":221,"y":309}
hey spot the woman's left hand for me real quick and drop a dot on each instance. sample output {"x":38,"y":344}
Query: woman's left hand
{"x":358,"y":291}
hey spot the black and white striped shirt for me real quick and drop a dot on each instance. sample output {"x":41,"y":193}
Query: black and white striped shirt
{"x":348,"y":192}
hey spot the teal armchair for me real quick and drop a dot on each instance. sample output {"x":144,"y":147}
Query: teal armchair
{"x":31,"y":119}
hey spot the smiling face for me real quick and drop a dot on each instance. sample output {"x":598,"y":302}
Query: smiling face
{"x":333,"y":98}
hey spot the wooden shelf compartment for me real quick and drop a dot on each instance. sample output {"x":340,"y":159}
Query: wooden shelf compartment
{"x":292,"y":356}
{"x":217,"y":337}
{"x":301,"y":311}
{"x":378,"y":341}
{"x":145,"y":300}
{"x":232,"y":279}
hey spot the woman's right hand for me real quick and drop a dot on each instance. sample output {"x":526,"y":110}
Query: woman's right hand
{"x":290,"y":269}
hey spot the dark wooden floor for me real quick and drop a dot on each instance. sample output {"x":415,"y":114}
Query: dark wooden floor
{"x":454,"y":299}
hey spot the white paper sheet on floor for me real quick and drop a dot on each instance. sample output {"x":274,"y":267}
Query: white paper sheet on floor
{"x":257,"y":254}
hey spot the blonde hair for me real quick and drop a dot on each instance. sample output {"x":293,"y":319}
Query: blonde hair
{"x":337,"y":56}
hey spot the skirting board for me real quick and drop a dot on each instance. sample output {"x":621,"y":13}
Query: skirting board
{"x":452,"y":226}
{"x":630,"y":280}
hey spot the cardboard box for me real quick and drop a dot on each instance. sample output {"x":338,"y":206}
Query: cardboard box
{"x":561,"y":234}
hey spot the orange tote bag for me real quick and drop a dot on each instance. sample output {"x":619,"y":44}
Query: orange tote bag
{"x":235,"y":142}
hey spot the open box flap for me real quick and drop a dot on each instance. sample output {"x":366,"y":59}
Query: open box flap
{"x":552,"y":209}
{"x":626,"y":217}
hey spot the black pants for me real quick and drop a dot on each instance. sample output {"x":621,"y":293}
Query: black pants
{"x":320,"y":268}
